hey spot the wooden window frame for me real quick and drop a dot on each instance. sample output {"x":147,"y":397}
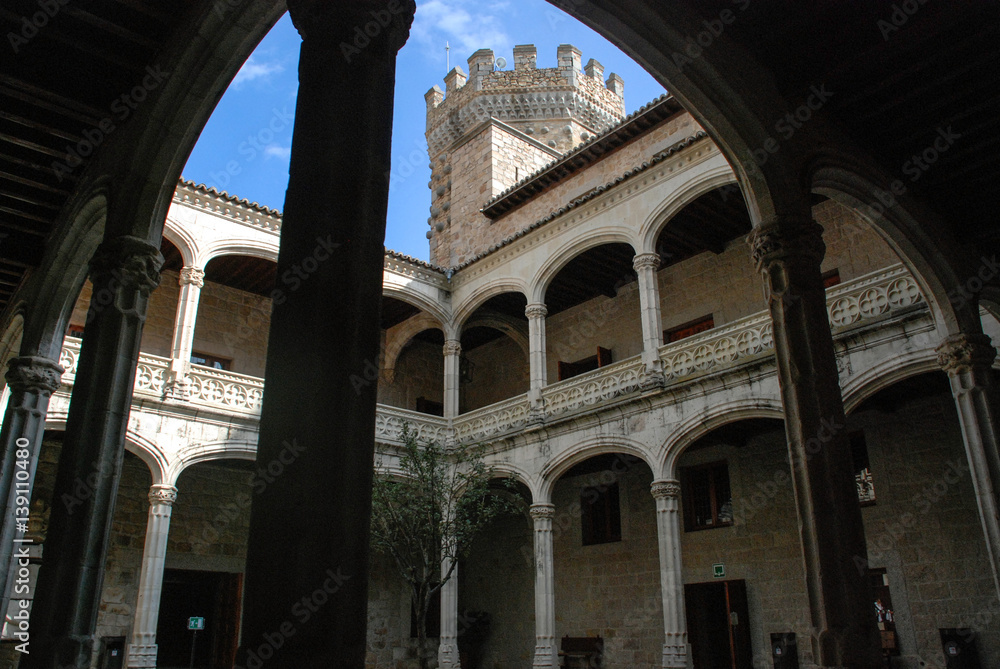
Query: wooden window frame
{"x":567,"y":370}
{"x":608,"y":497}
{"x":716,"y":504}
{"x":689,"y":329}
{"x":227,"y":363}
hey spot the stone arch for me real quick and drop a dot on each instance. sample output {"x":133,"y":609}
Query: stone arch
{"x":10,"y":343}
{"x":400,"y":337}
{"x":563,"y":255}
{"x":519,"y":474}
{"x":888,"y":373}
{"x":151,"y":454}
{"x":585,"y":450}
{"x":482,"y":294}
{"x":919,"y":238}
{"x":185,"y":242}
{"x":707,"y":420}
{"x":207,"y":452}
{"x":243,"y":247}
{"x":705,"y":179}
{"x":513,"y":328}
{"x":417,"y":299}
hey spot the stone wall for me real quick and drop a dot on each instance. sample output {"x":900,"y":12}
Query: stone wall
{"x":419,"y":373}
{"x":500,"y":371}
{"x":233,"y":324}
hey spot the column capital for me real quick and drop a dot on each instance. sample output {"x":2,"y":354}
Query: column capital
{"x":452,"y":347}
{"x":129,"y":261}
{"x":962,"y":352}
{"x":536,"y":310}
{"x":351,"y":27}
{"x":646,"y":261}
{"x":542,"y":511}
{"x":34,"y":374}
{"x":787,"y":239}
{"x":192,"y":276}
{"x":668,"y":489}
{"x":164,"y":495}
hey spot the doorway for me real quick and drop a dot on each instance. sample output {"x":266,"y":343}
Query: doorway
{"x":719,"y":625}
{"x":214,"y":596}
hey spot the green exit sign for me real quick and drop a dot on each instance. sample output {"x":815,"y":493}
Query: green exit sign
{"x":719,"y":570}
{"x":196,"y":624}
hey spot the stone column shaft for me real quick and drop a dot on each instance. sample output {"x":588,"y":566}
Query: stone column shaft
{"x":452,"y":360}
{"x":142,"y":649}
{"x":191,"y":280}
{"x":545,"y":588}
{"x":448,"y":648}
{"x":537,"y":370}
{"x":968,"y":360}
{"x":645,"y":265}
{"x":668,"y":533}
{"x":788,"y":252}
{"x":309,"y":528}
{"x":124,"y":271}
{"x":31,"y":380}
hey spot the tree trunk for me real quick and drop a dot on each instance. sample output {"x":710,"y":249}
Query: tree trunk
{"x":422,"y":603}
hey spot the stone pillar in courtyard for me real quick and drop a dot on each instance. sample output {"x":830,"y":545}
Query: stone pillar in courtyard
{"x":191,"y":281}
{"x":536,"y":314}
{"x":31,"y":380}
{"x":309,"y":529}
{"x":968,"y":361}
{"x":124,"y":271}
{"x":142,"y":648}
{"x":452,"y":382}
{"x":788,"y":252}
{"x":645,"y":265}
{"x":545,"y":588}
{"x":668,"y":532}
{"x":448,"y":645}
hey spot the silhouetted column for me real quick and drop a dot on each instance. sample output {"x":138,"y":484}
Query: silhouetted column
{"x":545,"y":588}
{"x":142,"y":649}
{"x":645,"y":265}
{"x":124,"y":272}
{"x":191,"y":280}
{"x":788,"y":252}
{"x":31,"y":380}
{"x":448,"y":646}
{"x":968,"y":360}
{"x":537,"y":371}
{"x":309,"y":527}
{"x":452,"y":360}
{"x":668,"y":532}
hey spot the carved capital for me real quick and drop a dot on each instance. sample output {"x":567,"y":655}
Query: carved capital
{"x":452,"y":347}
{"x":787,"y":241}
{"x":646,"y":261}
{"x":192,"y":276}
{"x":34,"y":374}
{"x":127,"y":262}
{"x":542,"y":511}
{"x":666,"y":489}
{"x":351,"y":27}
{"x":536,"y":310}
{"x":163,"y":495}
{"x":962,"y":353}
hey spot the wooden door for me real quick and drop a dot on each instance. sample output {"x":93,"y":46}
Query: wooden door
{"x":719,"y":625}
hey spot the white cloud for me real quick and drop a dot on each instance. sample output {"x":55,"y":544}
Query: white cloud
{"x":466,"y":25}
{"x":277,"y":151}
{"x":252,"y":70}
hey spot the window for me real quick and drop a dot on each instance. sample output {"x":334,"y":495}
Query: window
{"x":708,"y":500}
{"x":600,"y":515}
{"x":212,"y":361}
{"x":831,"y":278}
{"x":431,"y":407}
{"x":885,"y":616}
{"x":75,"y":331}
{"x":689,"y":328}
{"x":568,"y":370}
{"x":862,"y":469}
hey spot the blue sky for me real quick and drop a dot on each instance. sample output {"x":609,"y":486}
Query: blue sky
{"x":244,"y":148}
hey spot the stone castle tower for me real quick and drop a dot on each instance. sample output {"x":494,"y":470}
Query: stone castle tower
{"x":493,"y":128}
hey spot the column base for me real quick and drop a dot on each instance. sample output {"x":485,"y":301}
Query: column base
{"x":448,"y":655}
{"x":674,"y":657}
{"x":546,"y":655}
{"x":141,"y":656}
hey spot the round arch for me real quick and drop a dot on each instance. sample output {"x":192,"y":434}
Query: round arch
{"x":708,"y":420}
{"x":416,"y":299}
{"x":512,"y":471}
{"x":245,"y":247}
{"x":571,"y":249}
{"x":406,"y":331}
{"x":208,"y":452}
{"x":888,"y":373}
{"x":185,"y":242}
{"x":585,"y":450}
{"x":145,"y":449}
{"x":482,"y":294}
{"x":697,"y":184}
